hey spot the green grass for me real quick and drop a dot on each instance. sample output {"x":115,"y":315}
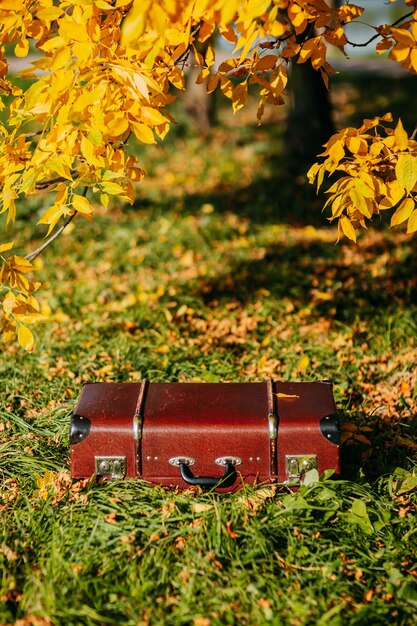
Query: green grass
{"x":225,"y":269}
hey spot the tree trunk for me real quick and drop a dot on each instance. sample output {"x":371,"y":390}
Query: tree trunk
{"x":309,"y":121}
{"x":200,"y":106}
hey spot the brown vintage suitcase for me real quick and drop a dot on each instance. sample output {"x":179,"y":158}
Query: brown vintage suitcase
{"x":216,"y":435}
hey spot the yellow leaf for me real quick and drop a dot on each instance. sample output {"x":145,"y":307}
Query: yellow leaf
{"x":227,"y":32}
{"x":20,"y":264}
{"x":176,"y":77}
{"x":226,"y":86}
{"x":81,"y":204}
{"x":212,"y":83}
{"x":303,"y":363}
{"x":312,"y":172}
{"x":206,"y":31}
{"x":72,"y":31}
{"x":95,"y":136}
{"x":347,"y":12}
{"x":406,"y":171}
{"x":28,"y":318}
{"x":104,"y":5}
{"x":134,"y":23}
{"x":413,"y":58}
{"x":228,"y":11}
{"x":25,"y":338}
{"x":394,"y":193}
{"x":289,"y":395}
{"x":143,"y":133}
{"x":60,"y":166}
{"x":117,"y":124}
{"x":401,"y":137}
{"x":46,"y":479}
{"x":347,"y":228}
{"x":412,"y":222}
{"x":9,"y":331}
{"x":359,"y":202}
{"x":104,"y":199}
{"x":403,"y":212}
{"x":52,"y":216}
{"x":9,"y":302}
{"x":364,"y":187}
{"x":403,"y":36}
{"x":383,"y":45}
{"x":141,"y":86}
{"x":152,"y":117}
{"x":22,"y":48}
{"x":240,"y":95}
{"x":51,"y":44}
{"x":266,"y":63}
{"x":210,"y":56}
{"x":399,"y":52}
{"x":4,"y":247}
{"x":256,"y":8}
{"x":336,"y":151}
{"x":112,"y":188}
{"x":49,"y":13}
{"x":338,"y":206}
{"x":87,"y":149}
{"x":202,"y":75}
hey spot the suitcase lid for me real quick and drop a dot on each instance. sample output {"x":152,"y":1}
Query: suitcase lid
{"x":205,"y":425}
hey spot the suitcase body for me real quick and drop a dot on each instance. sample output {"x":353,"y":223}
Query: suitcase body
{"x":216,"y":435}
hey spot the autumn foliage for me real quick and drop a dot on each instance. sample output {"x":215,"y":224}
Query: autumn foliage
{"x":106,"y":70}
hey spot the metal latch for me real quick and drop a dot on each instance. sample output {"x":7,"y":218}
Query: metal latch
{"x":111,"y":466}
{"x":297,"y":465}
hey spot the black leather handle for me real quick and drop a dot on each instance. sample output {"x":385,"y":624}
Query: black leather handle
{"x":226,"y":480}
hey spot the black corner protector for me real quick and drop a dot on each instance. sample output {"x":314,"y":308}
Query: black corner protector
{"x":330,"y":429}
{"x":79,"y":428}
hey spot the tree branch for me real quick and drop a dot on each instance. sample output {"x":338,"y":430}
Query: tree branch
{"x":44,"y":184}
{"x":32,"y":255}
{"x":363,"y":45}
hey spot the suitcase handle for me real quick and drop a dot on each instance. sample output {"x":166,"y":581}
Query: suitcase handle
{"x":226,"y":480}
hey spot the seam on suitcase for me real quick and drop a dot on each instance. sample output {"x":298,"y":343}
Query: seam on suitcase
{"x":272,"y":414}
{"x":138,"y":426}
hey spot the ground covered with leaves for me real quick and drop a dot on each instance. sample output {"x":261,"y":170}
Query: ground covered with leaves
{"x":224,"y":270}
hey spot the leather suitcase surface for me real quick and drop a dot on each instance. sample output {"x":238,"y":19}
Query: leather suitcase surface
{"x":216,"y":435}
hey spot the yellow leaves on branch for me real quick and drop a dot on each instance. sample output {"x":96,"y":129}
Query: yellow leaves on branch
{"x":19,"y":306}
{"x":402,"y":43}
{"x":106,"y":73}
{"x":379,"y":172}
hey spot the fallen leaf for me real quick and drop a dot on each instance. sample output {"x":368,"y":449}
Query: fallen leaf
{"x":230,"y":532}
{"x":286,"y":395}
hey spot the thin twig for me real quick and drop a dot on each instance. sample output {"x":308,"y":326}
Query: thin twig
{"x":32,"y":255}
{"x":44,"y":184}
{"x":362,"y":45}
{"x":35,"y":134}
{"x":413,"y":136}
{"x":184,"y":56}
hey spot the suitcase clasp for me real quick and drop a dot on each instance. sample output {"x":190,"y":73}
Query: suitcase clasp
{"x":297,"y":465}
{"x":110,"y":466}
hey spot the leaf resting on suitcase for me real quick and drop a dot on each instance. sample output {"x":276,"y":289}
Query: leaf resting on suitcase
{"x":286,"y":395}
